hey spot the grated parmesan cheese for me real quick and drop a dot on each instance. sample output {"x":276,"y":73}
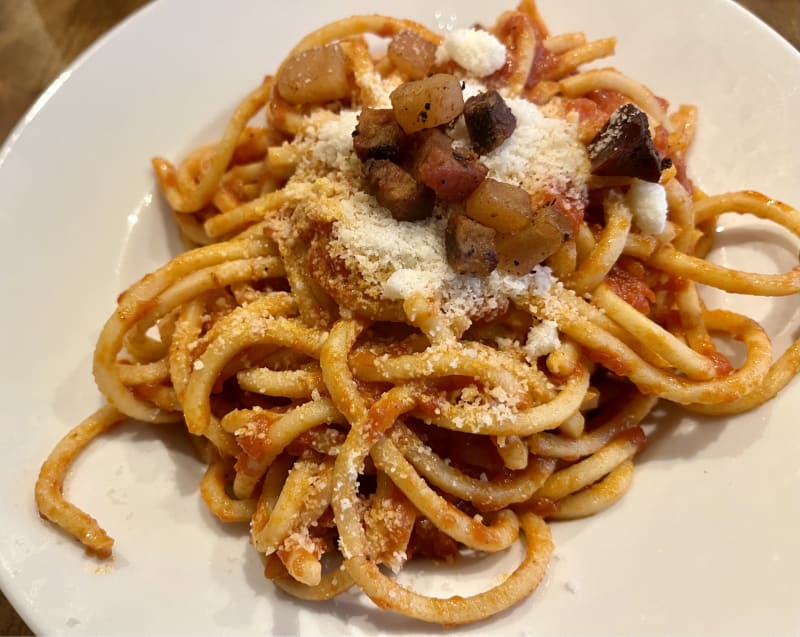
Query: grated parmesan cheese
{"x":476,"y":51}
{"x":542,"y":339}
{"x":648,"y":203}
{"x":542,"y":153}
{"x":380,"y":246}
{"x":333,"y":138}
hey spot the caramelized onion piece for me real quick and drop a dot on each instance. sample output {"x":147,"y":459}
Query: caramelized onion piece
{"x":411,"y":54}
{"x":427,"y":103}
{"x":504,"y":207}
{"x":470,"y":246}
{"x":519,"y":252}
{"x":318,"y":74}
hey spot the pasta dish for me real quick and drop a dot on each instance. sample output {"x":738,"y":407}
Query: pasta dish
{"x":431,"y":293}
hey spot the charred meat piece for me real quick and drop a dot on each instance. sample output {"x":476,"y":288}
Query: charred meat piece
{"x":377,"y":135}
{"x":470,"y":246}
{"x":427,"y":103}
{"x":624,"y":147}
{"x":489,"y":121}
{"x":396,"y":190}
{"x":519,"y":252}
{"x":452,"y":173}
{"x":412,"y":54}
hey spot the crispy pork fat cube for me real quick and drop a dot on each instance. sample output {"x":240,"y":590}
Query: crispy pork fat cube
{"x":489,"y":121}
{"x":377,"y":135}
{"x":519,"y":252}
{"x":412,"y":54}
{"x":452,"y":174}
{"x":504,"y":207}
{"x":318,"y":74}
{"x":396,"y":190}
{"x":624,"y":147}
{"x":470,"y":246}
{"x":421,"y":104}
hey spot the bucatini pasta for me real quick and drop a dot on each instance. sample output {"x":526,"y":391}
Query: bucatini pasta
{"x":429,"y":298}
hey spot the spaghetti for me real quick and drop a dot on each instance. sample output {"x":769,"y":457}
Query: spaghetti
{"x":362,"y":387}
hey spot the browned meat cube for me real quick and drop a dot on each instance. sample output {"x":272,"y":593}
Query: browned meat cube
{"x":452,"y":174}
{"x":377,"y":135}
{"x":412,"y":54}
{"x":624,"y":147}
{"x":470,"y":246}
{"x":396,"y":190}
{"x":489,"y":121}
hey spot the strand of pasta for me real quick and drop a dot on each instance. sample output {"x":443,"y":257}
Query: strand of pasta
{"x":465,"y":359}
{"x":138,"y":300}
{"x":331,"y":584}
{"x":336,"y":373}
{"x":305,"y":495}
{"x":281,"y":432}
{"x":461,"y":527}
{"x":49,"y":485}
{"x":181,"y":357}
{"x":213,"y":489}
{"x":778,"y":376}
{"x":597,"y":496}
{"x":187,"y":194}
{"x":569,"y":61}
{"x":388,"y":593}
{"x":667,"y":345}
{"x":610,"y":244}
{"x":476,"y":419}
{"x":295,"y":383}
{"x":488,"y":495}
{"x":588,"y":471}
{"x":515,"y":30}
{"x":192,"y":285}
{"x":610,"y":79}
{"x":622,"y":360}
{"x":678,"y":264}
{"x":244,"y":327}
{"x":607,"y":425}
{"x":237,"y":219}
{"x":356,"y":25}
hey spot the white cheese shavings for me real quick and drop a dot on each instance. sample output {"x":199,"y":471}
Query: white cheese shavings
{"x":648,"y":203}
{"x":407,"y":282}
{"x":467,"y":294}
{"x":543,"y":153}
{"x":334,"y":139}
{"x":381,"y":247}
{"x":376,"y":89}
{"x":476,"y":51}
{"x":542,"y":339}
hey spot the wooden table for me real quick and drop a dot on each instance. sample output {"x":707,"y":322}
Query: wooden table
{"x":39,"y":38}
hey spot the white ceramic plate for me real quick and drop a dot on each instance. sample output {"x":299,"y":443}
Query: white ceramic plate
{"x":706,"y":541}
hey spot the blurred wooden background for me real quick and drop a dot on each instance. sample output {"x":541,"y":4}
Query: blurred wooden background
{"x":39,"y":38}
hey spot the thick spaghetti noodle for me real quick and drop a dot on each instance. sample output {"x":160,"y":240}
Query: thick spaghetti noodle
{"x":369,"y":359}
